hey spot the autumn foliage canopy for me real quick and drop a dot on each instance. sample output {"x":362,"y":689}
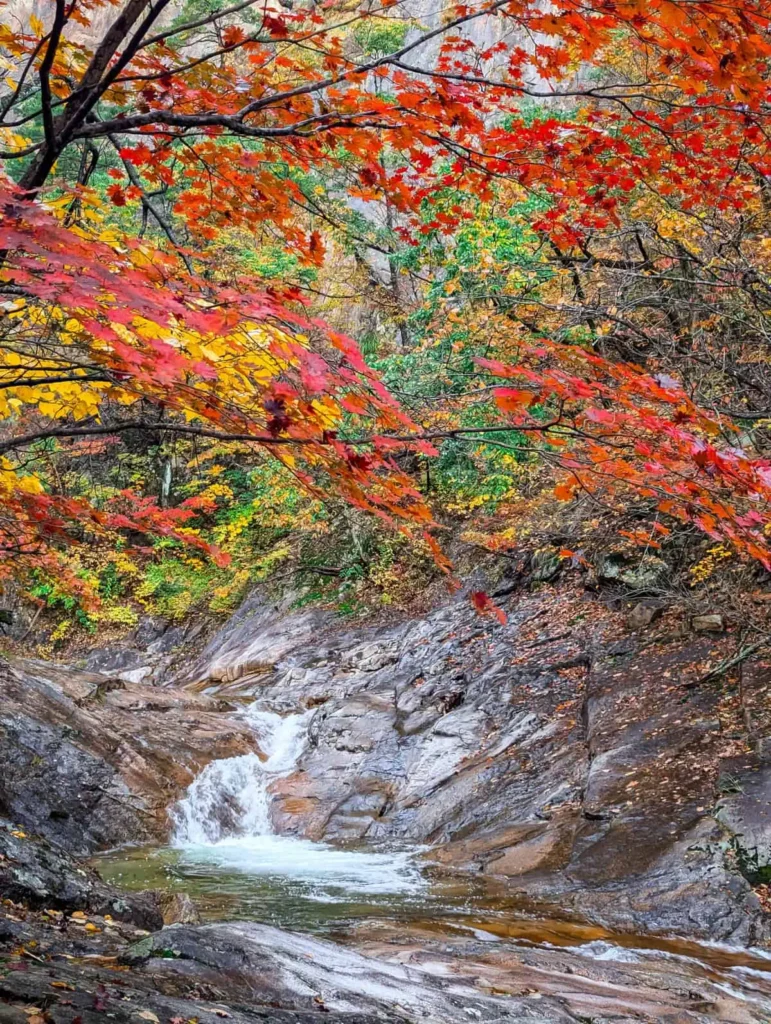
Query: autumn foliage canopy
{"x":638,"y":128}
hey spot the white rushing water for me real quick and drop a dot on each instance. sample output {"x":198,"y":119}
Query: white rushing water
{"x":230,"y":797}
{"x":224,"y":820}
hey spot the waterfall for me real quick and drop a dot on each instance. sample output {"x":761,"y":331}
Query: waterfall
{"x":230,"y":797}
{"x":223,"y":824}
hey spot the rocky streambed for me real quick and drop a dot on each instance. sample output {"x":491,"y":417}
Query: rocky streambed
{"x":111,"y":959}
{"x":553,"y":819}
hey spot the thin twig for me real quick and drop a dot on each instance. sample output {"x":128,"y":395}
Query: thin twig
{"x":729,"y":663}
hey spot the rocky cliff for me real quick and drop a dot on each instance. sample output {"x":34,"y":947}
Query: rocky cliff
{"x":90,"y":760}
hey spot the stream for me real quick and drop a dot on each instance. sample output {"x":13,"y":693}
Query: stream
{"x":225,"y":854}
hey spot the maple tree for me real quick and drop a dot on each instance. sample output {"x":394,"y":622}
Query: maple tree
{"x":214,"y":120}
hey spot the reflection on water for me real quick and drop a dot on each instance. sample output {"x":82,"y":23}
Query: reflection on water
{"x":292,"y":883}
{"x":312,"y":887}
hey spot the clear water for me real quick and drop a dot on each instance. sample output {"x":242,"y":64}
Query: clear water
{"x":288,"y":893}
{"x":225,"y":853}
{"x":291,"y":883}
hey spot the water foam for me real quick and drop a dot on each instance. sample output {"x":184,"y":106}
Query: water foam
{"x":327,"y":874}
{"x":230,"y":796}
{"x":224,"y":820}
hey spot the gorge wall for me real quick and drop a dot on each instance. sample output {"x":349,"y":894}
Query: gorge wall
{"x":593,"y":774}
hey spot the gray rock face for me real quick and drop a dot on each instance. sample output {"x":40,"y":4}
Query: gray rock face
{"x":49,"y":781}
{"x":90,"y":761}
{"x":251,"y":973}
{"x":71,"y":953}
{"x":580,"y":769}
{"x":747,"y":815}
{"x":296,"y":972}
{"x":563,"y":760}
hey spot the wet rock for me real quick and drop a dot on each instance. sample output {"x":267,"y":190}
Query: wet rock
{"x":747,"y":814}
{"x":649,"y":855}
{"x":549,"y":753}
{"x":81,"y":968}
{"x":553,"y":757}
{"x":90,"y":762}
{"x":532,"y":854}
{"x":40,"y":874}
{"x":49,"y":783}
{"x":179,"y":908}
{"x":249,"y":974}
{"x":256,"y":964}
{"x":90,"y":994}
{"x":517,"y":806}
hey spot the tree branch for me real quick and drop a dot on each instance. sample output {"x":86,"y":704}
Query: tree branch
{"x":118,"y":428}
{"x":189,"y":26}
{"x":264,"y":439}
{"x":45,"y":73}
{"x":163,"y":224}
{"x":28,"y":382}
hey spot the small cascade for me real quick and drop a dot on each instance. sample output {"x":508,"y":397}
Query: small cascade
{"x":282,"y":739}
{"x":223,"y":825}
{"x":229,"y":798}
